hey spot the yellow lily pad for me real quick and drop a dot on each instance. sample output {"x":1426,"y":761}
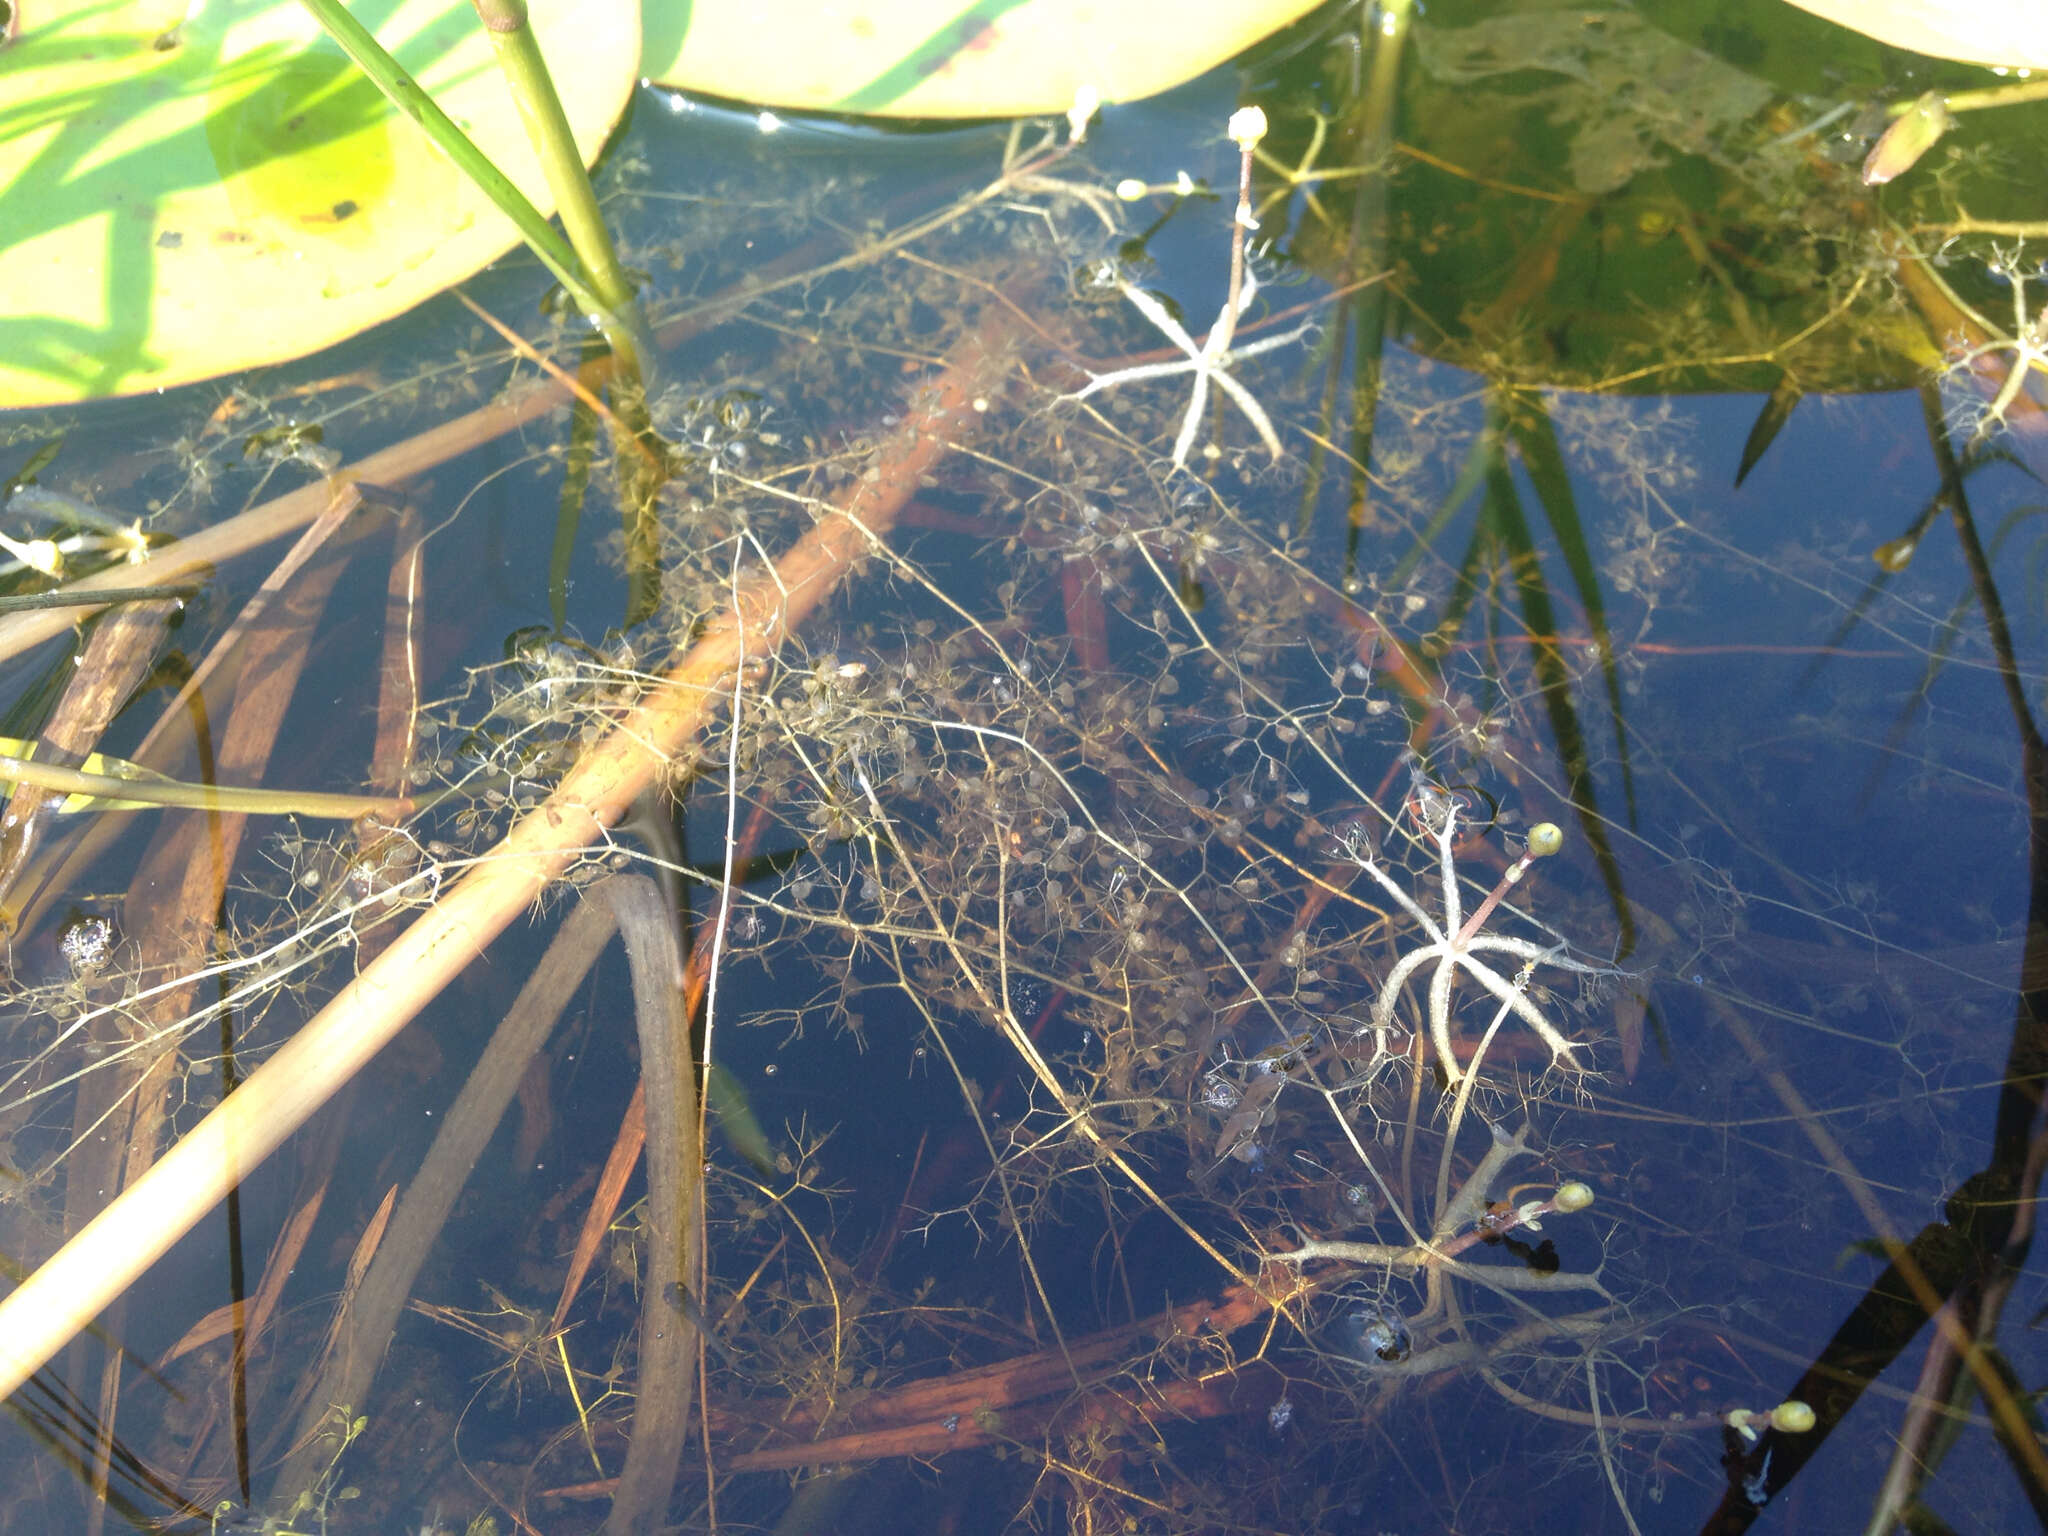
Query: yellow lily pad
{"x":2008,"y":33}
{"x":190,"y":189}
{"x":948,"y":58}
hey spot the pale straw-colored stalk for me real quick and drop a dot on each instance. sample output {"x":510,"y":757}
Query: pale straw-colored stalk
{"x":118,"y":1246}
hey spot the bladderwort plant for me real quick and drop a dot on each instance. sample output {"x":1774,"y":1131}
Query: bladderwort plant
{"x":2026,"y":344}
{"x":1981,"y":355}
{"x":1458,"y":942}
{"x":1069,"y":885}
{"x":1211,"y":360}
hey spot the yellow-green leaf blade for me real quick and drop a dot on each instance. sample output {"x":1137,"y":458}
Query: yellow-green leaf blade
{"x":182,"y":199}
{"x":948,"y":58}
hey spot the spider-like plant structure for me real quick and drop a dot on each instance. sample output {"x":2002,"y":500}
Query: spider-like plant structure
{"x":1208,"y":361}
{"x":2028,"y":341}
{"x":1212,"y":359}
{"x":1459,"y":942}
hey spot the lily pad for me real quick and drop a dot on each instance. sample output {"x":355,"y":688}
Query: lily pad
{"x":948,"y":58}
{"x":1652,"y":217}
{"x":189,"y":190}
{"x":2008,"y":33}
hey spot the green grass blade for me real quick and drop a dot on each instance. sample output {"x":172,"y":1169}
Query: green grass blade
{"x":114,"y":784}
{"x":1536,"y":440}
{"x":1553,"y":678}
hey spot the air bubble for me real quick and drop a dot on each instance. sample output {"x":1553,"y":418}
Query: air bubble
{"x":86,"y":943}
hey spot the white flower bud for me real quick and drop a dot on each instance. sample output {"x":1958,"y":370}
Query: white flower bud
{"x":1247,"y":126}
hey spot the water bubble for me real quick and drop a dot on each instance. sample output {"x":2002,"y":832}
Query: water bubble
{"x":1370,"y":1332}
{"x":86,"y":942}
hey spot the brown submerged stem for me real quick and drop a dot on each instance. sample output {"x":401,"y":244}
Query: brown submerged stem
{"x":113,"y":1251}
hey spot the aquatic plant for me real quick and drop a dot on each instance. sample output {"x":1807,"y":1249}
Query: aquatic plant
{"x":1108,"y":932}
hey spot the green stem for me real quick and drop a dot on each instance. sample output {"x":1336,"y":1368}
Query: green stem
{"x":547,"y":125}
{"x":405,"y":93}
{"x":140,"y":789}
{"x":1976,"y":101}
{"x":554,"y":145}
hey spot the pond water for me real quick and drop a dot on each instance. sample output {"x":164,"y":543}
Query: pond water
{"x":1126,"y":863}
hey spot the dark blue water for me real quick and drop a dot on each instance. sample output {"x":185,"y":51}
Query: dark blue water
{"x":1060,"y":815}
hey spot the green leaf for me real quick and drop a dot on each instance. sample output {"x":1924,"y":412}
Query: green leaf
{"x":734,"y":1113}
{"x":948,"y":58}
{"x":101,"y":783}
{"x":189,"y":191}
{"x":1914,"y":132}
{"x":1543,"y":461}
{"x":1784,"y":399}
{"x":1505,"y":517}
{"x":1647,"y":223}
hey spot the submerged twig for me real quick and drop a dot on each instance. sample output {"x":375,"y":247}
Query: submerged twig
{"x":362,"y":1331}
{"x":675,"y":1199}
{"x":103,"y":1259}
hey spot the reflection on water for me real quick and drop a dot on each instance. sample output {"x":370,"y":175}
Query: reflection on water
{"x":1154,"y":1091}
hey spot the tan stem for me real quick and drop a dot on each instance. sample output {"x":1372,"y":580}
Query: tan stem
{"x":110,"y":1253}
